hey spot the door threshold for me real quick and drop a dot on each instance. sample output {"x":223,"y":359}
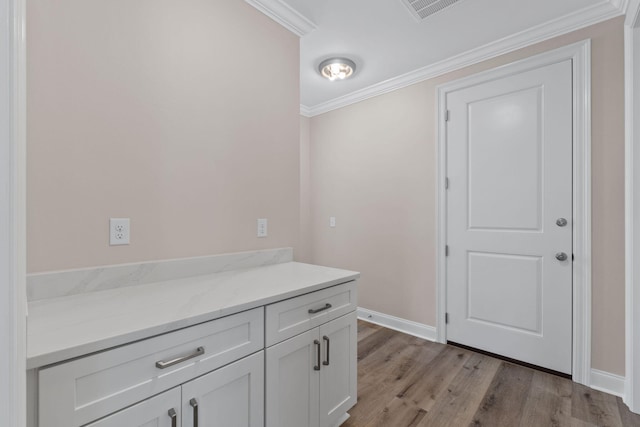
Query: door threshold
{"x":510,"y":360}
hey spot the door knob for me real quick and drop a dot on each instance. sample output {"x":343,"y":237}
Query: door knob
{"x":561,"y":222}
{"x":561,"y":256}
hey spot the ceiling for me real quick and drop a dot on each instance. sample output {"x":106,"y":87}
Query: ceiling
{"x":386,"y":41}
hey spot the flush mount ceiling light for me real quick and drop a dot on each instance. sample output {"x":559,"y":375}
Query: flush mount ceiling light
{"x":337,"y":68}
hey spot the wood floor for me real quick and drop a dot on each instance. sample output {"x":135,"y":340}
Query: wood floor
{"x":405,"y":381}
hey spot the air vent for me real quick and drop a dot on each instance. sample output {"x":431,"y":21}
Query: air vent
{"x":421,"y":9}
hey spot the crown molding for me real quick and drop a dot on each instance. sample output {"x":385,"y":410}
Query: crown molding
{"x":632,"y":11}
{"x":305,"y":111}
{"x":621,"y":5}
{"x":563,"y":25}
{"x":284,"y":15}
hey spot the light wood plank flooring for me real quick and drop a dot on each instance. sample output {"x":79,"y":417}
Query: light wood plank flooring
{"x":404,"y":381}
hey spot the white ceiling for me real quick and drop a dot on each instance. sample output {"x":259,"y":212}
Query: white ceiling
{"x":386,"y":41}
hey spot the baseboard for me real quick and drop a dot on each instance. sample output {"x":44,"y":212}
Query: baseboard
{"x":607,"y":382}
{"x":396,"y":323}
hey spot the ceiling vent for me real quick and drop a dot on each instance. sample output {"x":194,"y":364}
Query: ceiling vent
{"x":421,"y":9}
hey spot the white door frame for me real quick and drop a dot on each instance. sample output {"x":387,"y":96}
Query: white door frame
{"x":632,"y":204}
{"x":12,"y":214}
{"x":580,"y":53}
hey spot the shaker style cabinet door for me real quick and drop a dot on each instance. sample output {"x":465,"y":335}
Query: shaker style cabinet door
{"x":162,"y":410}
{"x":293,"y":371}
{"x":232,"y":396}
{"x":338,"y":374}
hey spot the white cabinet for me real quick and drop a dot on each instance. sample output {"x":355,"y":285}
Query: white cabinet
{"x":75,"y":393}
{"x":293,"y":316}
{"x":339,"y":371}
{"x":311,"y":378}
{"x":162,"y":410}
{"x":217,"y":373}
{"x":293,"y":383}
{"x":232,"y":396}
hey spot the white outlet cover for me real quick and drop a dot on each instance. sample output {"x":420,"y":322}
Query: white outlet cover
{"x":262,"y":227}
{"x":119,"y":231}
{"x":332,"y":221}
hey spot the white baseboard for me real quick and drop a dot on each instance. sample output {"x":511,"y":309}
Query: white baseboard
{"x":607,"y":382}
{"x":397,"y":324}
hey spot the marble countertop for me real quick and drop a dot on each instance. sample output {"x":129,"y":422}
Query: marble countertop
{"x":67,"y":327}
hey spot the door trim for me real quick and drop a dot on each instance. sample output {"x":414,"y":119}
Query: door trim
{"x":632,"y":206}
{"x":12,"y":212}
{"x":580,"y":54}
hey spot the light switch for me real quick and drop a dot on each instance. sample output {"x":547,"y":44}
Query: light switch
{"x":262,"y":227}
{"x":332,"y":221}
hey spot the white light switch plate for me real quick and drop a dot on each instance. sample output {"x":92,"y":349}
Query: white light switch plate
{"x":332,"y":221}
{"x":262,"y":227}
{"x":119,"y":231}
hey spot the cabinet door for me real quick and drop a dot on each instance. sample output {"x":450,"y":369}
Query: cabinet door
{"x":293,"y":382}
{"x":232,"y":396}
{"x":338,"y":376}
{"x":162,"y":410}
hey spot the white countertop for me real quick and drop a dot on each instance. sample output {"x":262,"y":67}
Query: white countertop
{"x":63,"y":328}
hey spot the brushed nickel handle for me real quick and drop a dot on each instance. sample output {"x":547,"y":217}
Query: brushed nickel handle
{"x":317,"y":344}
{"x":174,"y":417}
{"x":163,"y":364}
{"x":327,"y":306}
{"x":561,"y":256}
{"x":194,"y":404}
{"x":561,"y":222}
{"x":326,"y":338}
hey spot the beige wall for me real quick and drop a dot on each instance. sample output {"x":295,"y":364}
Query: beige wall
{"x":373,"y":166}
{"x":181,"y":115}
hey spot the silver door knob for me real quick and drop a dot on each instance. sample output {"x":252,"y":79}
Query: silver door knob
{"x":561,"y":222}
{"x":561,"y":256}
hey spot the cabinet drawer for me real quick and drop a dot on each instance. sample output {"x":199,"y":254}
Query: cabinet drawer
{"x":291,"y":317}
{"x":77,"y":392}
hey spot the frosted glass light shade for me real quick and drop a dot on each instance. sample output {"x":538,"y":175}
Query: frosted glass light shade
{"x":337,"y":68}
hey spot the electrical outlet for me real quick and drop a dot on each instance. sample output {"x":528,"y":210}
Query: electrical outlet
{"x":332,"y":221}
{"x":262,"y":227}
{"x":119,"y":231}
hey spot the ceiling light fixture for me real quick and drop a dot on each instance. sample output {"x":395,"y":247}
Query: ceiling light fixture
{"x":337,"y":68}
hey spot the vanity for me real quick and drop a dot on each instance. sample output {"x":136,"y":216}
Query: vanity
{"x":252,"y":339}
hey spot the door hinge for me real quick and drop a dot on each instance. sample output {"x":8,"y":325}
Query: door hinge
{"x":446,"y":250}
{"x":446,"y":183}
{"x":446,"y":116}
{"x":446,"y":318}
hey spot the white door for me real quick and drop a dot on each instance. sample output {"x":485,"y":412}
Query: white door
{"x":338,"y":372}
{"x":162,"y":410}
{"x":232,"y":396}
{"x":509,"y":165}
{"x":293,"y":371}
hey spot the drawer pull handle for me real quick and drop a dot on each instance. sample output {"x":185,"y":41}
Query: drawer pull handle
{"x":317,"y":344}
{"x":194,"y":404}
{"x":327,"y":306}
{"x":163,"y":364}
{"x":174,"y":417}
{"x":326,"y":338}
